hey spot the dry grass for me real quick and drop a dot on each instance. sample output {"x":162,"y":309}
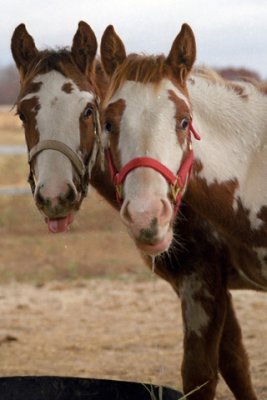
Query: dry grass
{"x":13,"y":170}
{"x":96,"y":245}
{"x":11,"y":131}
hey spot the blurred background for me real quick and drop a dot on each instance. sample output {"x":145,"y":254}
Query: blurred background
{"x":83,"y":303}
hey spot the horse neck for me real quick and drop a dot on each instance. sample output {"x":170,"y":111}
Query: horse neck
{"x":231,"y":119}
{"x":232,"y":111}
{"x":101,"y":181}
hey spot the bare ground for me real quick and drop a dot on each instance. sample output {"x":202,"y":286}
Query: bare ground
{"x":115,"y":329}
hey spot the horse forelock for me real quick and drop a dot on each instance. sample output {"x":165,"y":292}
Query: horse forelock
{"x":61,"y":61}
{"x":139,"y":68}
{"x":45,"y":61}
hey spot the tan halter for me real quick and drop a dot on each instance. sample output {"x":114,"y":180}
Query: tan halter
{"x":75,"y":159}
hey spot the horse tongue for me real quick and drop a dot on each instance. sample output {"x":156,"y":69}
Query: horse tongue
{"x":59,"y":225}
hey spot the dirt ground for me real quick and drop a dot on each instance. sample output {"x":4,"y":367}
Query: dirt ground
{"x":115,"y":329}
{"x":83,"y":304}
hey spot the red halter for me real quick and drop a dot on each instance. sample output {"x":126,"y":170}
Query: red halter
{"x":176,"y":182}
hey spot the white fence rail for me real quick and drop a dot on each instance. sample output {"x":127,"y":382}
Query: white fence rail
{"x":12,"y":149}
{"x":13,"y":190}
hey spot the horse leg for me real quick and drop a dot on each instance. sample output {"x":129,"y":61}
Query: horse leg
{"x":233,"y":359}
{"x":203,"y":308}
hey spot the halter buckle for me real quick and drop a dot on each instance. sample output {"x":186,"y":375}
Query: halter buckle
{"x":175,"y":189}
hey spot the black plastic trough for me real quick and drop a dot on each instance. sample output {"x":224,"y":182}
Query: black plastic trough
{"x":60,"y":388}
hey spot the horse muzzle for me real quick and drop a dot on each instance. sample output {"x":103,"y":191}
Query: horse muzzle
{"x":149,"y":223}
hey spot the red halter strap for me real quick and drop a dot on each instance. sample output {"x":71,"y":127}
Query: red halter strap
{"x":176,"y":182}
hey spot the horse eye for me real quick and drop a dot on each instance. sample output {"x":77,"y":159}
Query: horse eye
{"x":184,"y":124}
{"x":108,"y":126}
{"x":87,"y":112}
{"x":21,"y":116}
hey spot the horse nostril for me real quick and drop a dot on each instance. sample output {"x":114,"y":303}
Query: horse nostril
{"x":165,"y":212}
{"x":71,"y":195}
{"x":39,"y":199}
{"x":125,"y":214}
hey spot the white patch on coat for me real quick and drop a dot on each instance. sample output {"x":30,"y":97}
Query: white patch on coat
{"x":233,"y":142}
{"x":58,"y":119}
{"x":196,"y":318}
{"x":148,"y":128}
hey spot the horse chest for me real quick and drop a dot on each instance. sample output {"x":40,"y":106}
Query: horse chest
{"x":238,"y":222}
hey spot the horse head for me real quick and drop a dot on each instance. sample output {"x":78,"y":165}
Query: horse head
{"x":58,"y":106}
{"x":147,"y":124}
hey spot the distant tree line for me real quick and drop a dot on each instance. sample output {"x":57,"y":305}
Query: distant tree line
{"x":238,"y":73}
{"x":9,"y":80}
{"x":9,"y":84}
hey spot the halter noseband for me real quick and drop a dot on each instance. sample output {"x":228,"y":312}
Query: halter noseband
{"x":82,"y":167}
{"x":177,"y":183}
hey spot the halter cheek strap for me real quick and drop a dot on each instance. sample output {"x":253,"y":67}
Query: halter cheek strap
{"x":177,"y":183}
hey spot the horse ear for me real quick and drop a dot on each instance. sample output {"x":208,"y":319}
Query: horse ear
{"x":22,"y":47}
{"x":84,"y":47}
{"x":183,"y":53}
{"x":112,"y":50}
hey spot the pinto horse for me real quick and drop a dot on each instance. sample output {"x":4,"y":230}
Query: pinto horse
{"x":58,"y":105}
{"x":197,"y":210}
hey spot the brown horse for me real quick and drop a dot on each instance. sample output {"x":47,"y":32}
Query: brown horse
{"x":218,"y":239}
{"x":58,"y":105}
